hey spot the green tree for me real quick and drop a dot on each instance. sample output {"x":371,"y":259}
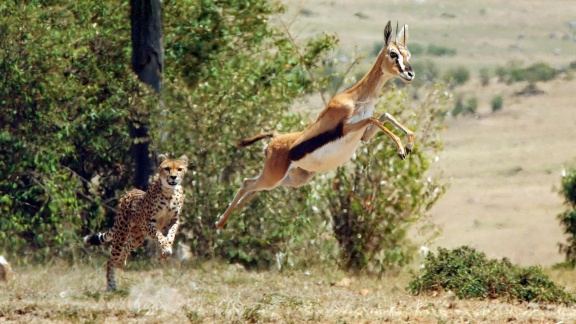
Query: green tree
{"x":64,"y":98}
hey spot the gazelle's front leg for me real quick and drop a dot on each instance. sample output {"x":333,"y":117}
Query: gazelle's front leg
{"x":404,"y":129}
{"x":372,"y":129}
{"x":373,"y":122}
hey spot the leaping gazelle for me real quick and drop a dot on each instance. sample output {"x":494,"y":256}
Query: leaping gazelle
{"x":293,"y":159}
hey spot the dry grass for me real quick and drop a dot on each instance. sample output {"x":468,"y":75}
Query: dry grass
{"x":219,"y":293}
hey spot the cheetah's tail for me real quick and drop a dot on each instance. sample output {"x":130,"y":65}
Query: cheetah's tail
{"x":98,"y":238}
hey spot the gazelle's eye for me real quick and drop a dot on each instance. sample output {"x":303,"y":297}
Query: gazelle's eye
{"x":393,"y":55}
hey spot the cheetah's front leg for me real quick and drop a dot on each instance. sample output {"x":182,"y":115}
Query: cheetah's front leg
{"x":152,"y":232}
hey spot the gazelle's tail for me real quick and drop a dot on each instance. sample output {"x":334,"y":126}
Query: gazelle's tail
{"x":252,"y":140}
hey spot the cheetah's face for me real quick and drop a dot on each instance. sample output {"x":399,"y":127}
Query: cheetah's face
{"x":172,"y":171}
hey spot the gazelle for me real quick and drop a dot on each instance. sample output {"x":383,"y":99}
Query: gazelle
{"x":293,"y":159}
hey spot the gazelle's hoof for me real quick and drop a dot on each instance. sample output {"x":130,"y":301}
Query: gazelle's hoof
{"x":217,"y":226}
{"x":401,"y":155}
{"x":408,"y":149}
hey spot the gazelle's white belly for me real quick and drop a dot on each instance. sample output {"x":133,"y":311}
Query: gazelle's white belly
{"x":332,"y":154}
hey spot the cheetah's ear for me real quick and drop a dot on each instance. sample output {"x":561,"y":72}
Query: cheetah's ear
{"x":161,"y":158}
{"x":184,"y":159}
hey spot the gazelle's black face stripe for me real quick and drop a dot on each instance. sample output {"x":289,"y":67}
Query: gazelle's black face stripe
{"x":401,"y":58}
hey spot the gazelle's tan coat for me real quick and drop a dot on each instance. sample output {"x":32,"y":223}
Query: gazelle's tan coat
{"x":293,"y":159}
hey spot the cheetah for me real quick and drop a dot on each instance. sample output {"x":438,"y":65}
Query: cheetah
{"x":145,"y":214}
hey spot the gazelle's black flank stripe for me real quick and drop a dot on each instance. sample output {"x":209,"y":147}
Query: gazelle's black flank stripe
{"x":312,"y":144}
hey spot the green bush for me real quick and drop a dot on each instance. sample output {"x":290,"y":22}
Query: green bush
{"x":568,"y":218}
{"x":469,"y":274}
{"x":457,"y":76}
{"x":465,"y":108}
{"x":436,"y":50}
{"x":533,"y":73}
{"x":228,"y":75}
{"x":65,"y":98}
{"x":64,"y":137}
{"x":374,"y":201}
{"x":427,"y":73}
{"x":496,"y":103}
{"x":484,"y":76}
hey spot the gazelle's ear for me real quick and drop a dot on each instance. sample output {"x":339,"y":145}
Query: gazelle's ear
{"x":402,"y":36}
{"x":387,"y":33}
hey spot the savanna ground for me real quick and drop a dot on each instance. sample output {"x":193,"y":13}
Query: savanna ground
{"x":504,"y":171}
{"x":219,"y":293}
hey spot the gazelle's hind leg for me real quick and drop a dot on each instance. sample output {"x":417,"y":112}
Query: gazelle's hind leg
{"x":275,"y":168}
{"x":245,"y":190}
{"x":297,"y":177}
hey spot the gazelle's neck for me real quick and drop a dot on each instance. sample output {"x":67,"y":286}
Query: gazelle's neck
{"x":369,"y":87}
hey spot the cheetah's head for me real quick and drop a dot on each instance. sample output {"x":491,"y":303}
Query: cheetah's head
{"x":171,"y":171}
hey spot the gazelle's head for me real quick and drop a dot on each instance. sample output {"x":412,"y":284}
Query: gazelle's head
{"x":396,"y":54}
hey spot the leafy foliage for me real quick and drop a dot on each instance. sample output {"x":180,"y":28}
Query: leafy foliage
{"x":229,"y":74}
{"x":465,"y":108}
{"x":496,"y":103}
{"x":374,"y":201}
{"x":63,"y":109}
{"x":514,"y":72}
{"x":457,"y":76}
{"x":568,"y":218}
{"x":469,"y":274}
{"x":437,"y":50}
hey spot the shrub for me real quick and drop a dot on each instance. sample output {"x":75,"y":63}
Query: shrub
{"x":457,"y":76}
{"x":416,"y":49}
{"x":64,"y":141}
{"x":568,"y":218}
{"x":533,"y":73}
{"x":427,"y":73}
{"x":436,"y":50}
{"x":496,"y":103}
{"x":471,"y":106}
{"x":375,"y":200}
{"x":458,"y":106}
{"x":468,"y":108}
{"x":469,"y":274}
{"x":484,"y":76}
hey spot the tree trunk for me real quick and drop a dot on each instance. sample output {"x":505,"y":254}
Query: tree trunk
{"x":147,"y":61}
